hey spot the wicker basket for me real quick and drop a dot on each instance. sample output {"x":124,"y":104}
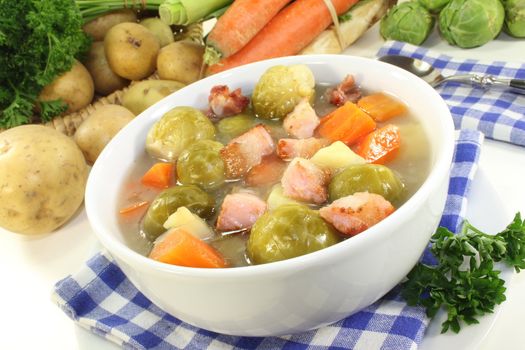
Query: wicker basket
{"x":68,"y":124}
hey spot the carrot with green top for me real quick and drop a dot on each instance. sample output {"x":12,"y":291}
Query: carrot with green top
{"x":347,"y":123}
{"x":286,"y":34}
{"x":238,"y":25}
{"x":381,"y":107}
{"x":160,"y":175}
{"x":179,"y":247}
{"x":380,"y":146}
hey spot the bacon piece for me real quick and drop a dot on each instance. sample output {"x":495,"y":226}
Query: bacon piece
{"x":240,"y":211}
{"x":304,"y":181}
{"x":224,"y":103}
{"x":344,"y":92}
{"x":268,"y":172}
{"x":303,"y":148}
{"x":246,"y":150}
{"x":355,"y":213}
{"x":302,"y":121}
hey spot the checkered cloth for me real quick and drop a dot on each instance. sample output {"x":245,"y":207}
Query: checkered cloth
{"x":100,"y":297}
{"x":499,"y":114}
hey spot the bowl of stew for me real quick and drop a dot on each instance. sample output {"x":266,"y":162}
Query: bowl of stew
{"x":276,"y":197}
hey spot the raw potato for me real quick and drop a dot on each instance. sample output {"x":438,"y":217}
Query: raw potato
{"x":98,"y":27}
{"x":131,"y":50}
{"x":96,"y":131}
{"x":75,"y":88}
{"x":161,"y":30}
{"x":145,"y":93}
{"x":106,"y":81}
{"x":42,"y":175}
{"x":181,"y":61}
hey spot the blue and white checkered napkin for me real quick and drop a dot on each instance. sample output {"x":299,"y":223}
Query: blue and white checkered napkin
{"x":100,"y":297}
{"x":499,"y":114}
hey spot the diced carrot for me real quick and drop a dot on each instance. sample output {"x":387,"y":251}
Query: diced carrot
{"x":240,"y":23}
{"x":269,"y":171}
{"x":381,"y":145}
{"x":347,"y":123}
{"x":286,"y":34}
{"x":381,"y":107}
{"x":179,"y":247}
{"x":134,"y":208}
{"x":159,"y":175}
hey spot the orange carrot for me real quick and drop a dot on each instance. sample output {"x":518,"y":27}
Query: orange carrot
{"x":134,"y":208}
{"x":347,"y":123}
{"x":381,"y":107}
{"x":286,"y":34}
{"x":380,"y":146}
{"x":268,"y":171}
{"x":179,"y":247}
{"x":239,"y":24}
{"x":159,"y":175}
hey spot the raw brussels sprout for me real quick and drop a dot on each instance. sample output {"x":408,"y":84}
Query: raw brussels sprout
{"x":371,"y":178}
{"x":201,"y":164}
{"x":169,"y":200}
{"x":471,"y":23}
{"x":290,"y":230}
{"x":231,"y":127}
{"x":280,"y":88}
{"x":176,"y":130}
{"x":434,"y":5}
{"x":409,"y":22}
{"x":514,"y":17}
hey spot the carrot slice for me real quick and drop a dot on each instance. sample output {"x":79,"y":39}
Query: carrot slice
{"x":179,"y":247}
{"x":159,"y":175}
{"x":286,"y":34}
{"x":347,"y":123}
{"x":134,"y":208}
{"x":240,"y":23}
{"x":381,"y":145}
{"x":381,"y":107}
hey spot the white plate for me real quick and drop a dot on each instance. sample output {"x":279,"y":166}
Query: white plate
{"x":485,"y":211}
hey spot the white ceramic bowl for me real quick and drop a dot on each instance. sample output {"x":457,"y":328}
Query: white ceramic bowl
{"x":297,"y":294}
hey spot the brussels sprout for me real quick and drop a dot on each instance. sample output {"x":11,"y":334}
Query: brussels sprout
{"x":290,"y":230}
{"x":280,"y":88}
{"x":409,"y":22}
{"x":169,"y":200}
{"x":201,"y":164}
{"x":514,"y":17}
{"x":232,"y":127}
{"x":471,"y":23}
{"x":434,"y":5}
{"x":371,"y":178}
{"x":176,"y":130}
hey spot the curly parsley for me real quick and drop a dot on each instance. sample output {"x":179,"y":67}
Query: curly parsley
{"x":39,"y":40}
{"x":464,"y":280}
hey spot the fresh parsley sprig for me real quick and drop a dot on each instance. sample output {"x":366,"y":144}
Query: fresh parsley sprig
{"x":464,"y":280}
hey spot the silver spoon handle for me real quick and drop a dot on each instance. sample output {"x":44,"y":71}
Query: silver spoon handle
{"x":486,"y":81}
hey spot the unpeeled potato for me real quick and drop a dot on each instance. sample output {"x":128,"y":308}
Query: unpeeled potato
{"x":131,"y":50}
{"x":75,"y":88}
{"x":98,"y":27}
{"x":145,"y":93}
{"x":161,"y":30}
{"x":105,"y":80}
{"x":180,"y":61}
{"x":42,"y":175}
{"x":96,"y":131}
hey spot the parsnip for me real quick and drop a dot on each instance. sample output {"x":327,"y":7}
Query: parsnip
{"x":363,"y":16}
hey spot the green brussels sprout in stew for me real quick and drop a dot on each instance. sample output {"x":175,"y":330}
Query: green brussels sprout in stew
{"x":280,"y":89}
{"x":169,"y":200}
{"x":231,"y":127}
{"x":201,"y":164}
{"x":289,"y":231}
{"x":176,"y":130}
{"x":372,"y":178}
